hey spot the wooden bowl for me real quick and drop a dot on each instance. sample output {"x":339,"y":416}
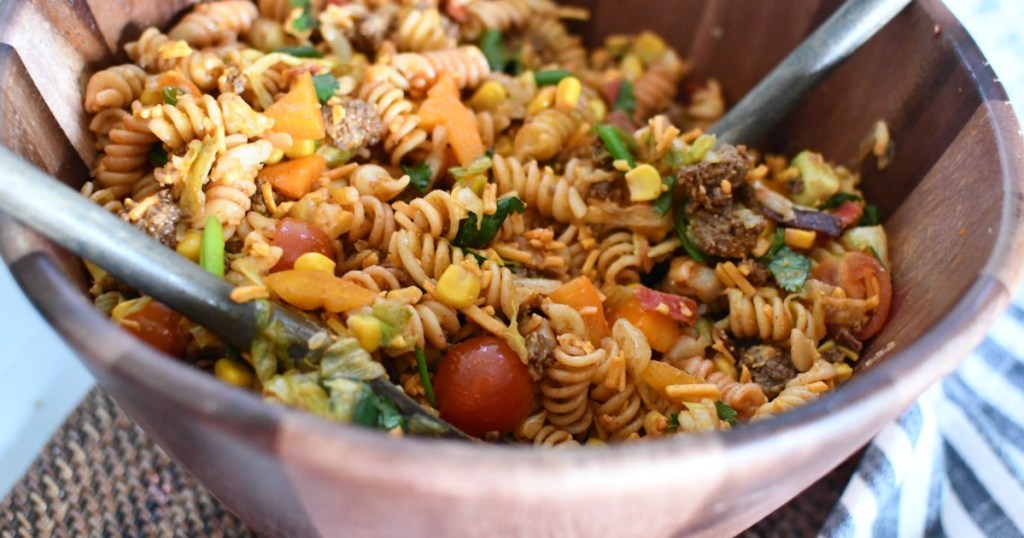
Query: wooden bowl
{"x":952,"y":202}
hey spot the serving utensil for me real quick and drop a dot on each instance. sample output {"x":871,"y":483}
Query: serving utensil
{"x":69,"y":219}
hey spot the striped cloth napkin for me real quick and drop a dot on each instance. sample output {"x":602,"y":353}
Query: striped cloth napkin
{"x":953,"y":464}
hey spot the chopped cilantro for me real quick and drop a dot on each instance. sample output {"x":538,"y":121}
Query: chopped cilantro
{"x":474,"y":234}
{"x":664,"y":202}
{"x":726,"y":413}
{"x":673,"y":423}
{"x":871,"y":216}
{"x":419,"y":176}
{"x":421,"y":365}
{"x":626,"y":100}
{"x":838,"y":199}
{"x":304,"y":51}
{"x":325,"y":85}
{"x":377,"y":411}
{"x":790,"y":269}
{"x":306,"y":20}
{"x":171,"y":94}
{"x":157,"y":155}
{"x":777,"y":243}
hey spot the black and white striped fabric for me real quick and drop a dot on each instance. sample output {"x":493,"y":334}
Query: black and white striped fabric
{"x":953,"y":464}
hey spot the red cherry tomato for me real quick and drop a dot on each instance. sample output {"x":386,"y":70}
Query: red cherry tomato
{"x":296,"y":238}
{"x":160,"y":327}
{"x":482,"y":386}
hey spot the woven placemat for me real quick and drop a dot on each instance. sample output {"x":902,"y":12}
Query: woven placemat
{"x":100,"y":475}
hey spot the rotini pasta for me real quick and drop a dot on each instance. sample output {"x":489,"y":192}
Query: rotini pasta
{"x":442,"y":181}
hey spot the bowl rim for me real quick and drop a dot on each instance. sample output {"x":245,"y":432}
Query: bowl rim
{"x":887,"y":387}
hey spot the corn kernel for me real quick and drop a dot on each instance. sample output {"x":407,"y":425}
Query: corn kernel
{"x":367,"y":330}
{"x":631,"y":67}
{"x":598,"y":109}
{"x":275,"y":156}
{"x":234,"y":372}
{"x":189,"y":245}
{"x":802,"y":239}
{"x":489,"y":96}
{"x":649,"y":47}
{"x":301,"y":148}
{"x":655,"y":423}
{"x":594,"y":441}
{"x":314,"y":261}
{"x":644,"y":183}
{"x":725,"y":366}
{"x":567,"y":93}
{"x":152,"y":97}
{"x":843,"y":372}
{"x":543,"y":101}
{"x":458,"y":288}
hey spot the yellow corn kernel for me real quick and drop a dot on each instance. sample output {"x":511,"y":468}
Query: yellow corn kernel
{"x":489,"y":96}
{"x":802,"y":239}
{"x":567,"y":93}
{"x":275,"y":156}
{"x":367,"y":330}
{"x":234,"y":372}
{"x":843,"y":372}
{"x":152,"y":97}
{"x":655,"y":423}
{"x":314,"y":261}
{"x":598,"y":109}
{"x":457,"y":287}
{"x":631,"y":67}
{"x":301,"y":148}
{"x":594,"y":441}
{"x":543,"y":101}
{"x":649,"y":47}
{"x":189,"y":245}
{"x":725,"y":366}
{"x":644,"y":183}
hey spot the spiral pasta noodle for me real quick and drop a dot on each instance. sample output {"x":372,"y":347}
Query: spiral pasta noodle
{"x":215,"y":23}
{"x":377,"y":165}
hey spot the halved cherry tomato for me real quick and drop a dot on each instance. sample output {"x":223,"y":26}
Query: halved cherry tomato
{"x":849,"y":213}
{"x":297,"y":238}
{"x":482,"y":386}
{"x":160,"y":327}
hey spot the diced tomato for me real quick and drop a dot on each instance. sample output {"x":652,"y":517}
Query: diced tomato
{"x":620,"y":119}
{"x":297,"y":238}
{"x":849,"y":213}
{"x":160,"y":327}
{"x":676,"y":307}
{"x":610,"y":90}
{"x":482,"y":386}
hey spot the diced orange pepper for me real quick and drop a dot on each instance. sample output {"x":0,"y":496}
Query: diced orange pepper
{"x":582,"y":296}
{"x":298,"y":112}
{"x":294,"y":178}
{"x":310,"y":290}
{"x":444,"y":106}
{"x":662,"y":332}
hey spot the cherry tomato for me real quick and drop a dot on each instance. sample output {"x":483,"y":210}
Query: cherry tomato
{"x":296,"y":238}
{"x":160,"y":327}
{"x":482,"y":386}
